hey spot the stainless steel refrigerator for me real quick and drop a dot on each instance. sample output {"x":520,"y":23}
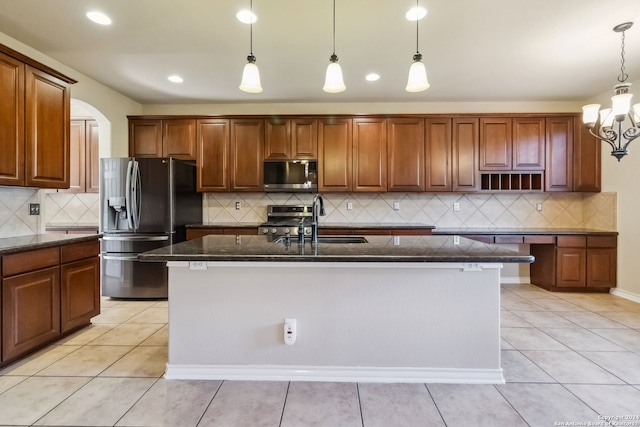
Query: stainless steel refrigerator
{"x":145,"y":204}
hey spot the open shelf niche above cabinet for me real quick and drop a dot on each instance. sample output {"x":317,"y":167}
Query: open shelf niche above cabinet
{"x":522,"y":181}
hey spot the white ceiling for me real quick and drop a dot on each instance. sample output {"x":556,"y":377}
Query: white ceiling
{"x":474,"y":50}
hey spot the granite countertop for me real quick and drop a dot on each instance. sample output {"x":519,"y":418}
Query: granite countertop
{"x":377,"y":249}
{"x":39,"y":241}
{"x":521,"y":231}
{"x":321,"y":225}
{"x":56,"y":227}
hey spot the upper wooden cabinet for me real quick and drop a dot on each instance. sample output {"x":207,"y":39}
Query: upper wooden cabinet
{"x":528,"y":143}
{"x":495,"y":144}
{"x":512,"y":143}
{"x":586,"y":158}
{"x":438,"y":149}
{"x":84,"y":164}
{"x":213,"y":144}
{"x":464,"y":153}
{"x":560,"y":161}
{"x":163,"y":138}
{"x":34,"y":123}
{"x":335,"y":142}
{"x":370,"y":154}
{"x":247,"y":155}
{"x":287,"y":139}
{"x":405,"y":154}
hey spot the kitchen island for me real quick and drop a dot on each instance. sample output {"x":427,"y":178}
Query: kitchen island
{"x":393,"y":309}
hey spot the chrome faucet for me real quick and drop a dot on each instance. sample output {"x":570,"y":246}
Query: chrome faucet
{"x":314,"y":216}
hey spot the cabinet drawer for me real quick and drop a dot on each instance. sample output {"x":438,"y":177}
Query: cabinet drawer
{"x":31,"y":260}
{"x":572,"y":241}
{"x":411,"y":232}
{"x":509,"y":239}
{"x":76,"y":251}
{"x":540,"y":240}
{"x":602,"y":241}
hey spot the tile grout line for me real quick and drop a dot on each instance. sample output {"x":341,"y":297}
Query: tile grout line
{"x":284,"y":404}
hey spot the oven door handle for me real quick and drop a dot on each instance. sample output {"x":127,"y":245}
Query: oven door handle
{"x":120,"y":258}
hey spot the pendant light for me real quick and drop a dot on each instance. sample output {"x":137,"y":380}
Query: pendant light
{"x":333,"y":82}
{"x":417,"y":81}
{"x":621,"y":109}
{"x":251,"y":75}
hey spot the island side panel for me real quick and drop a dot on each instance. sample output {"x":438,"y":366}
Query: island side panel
{"x":350,"y":316}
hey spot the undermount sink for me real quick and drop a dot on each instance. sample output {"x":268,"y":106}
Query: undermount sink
{"x":327,"y":239}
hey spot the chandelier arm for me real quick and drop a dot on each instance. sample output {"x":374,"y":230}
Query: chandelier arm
{"x":606,"y":138}
{"x":630,"y":135}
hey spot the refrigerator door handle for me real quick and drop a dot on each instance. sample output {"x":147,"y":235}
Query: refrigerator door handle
{"x":127,"y":195}
{"x":136,"y":188}
{"x":136,"y":238}
{"x":120,"y":258}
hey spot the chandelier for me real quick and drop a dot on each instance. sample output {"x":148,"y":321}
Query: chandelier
{"x":609,"y":129}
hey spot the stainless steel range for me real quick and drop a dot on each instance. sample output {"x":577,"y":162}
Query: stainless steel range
{"x":287,"y":220}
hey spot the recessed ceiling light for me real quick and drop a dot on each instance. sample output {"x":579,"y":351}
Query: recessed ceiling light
{"x":175,"y":79}
{"x":246,"y":17}
{"x":99,"y":18}
{"x":372,"y":77}
{"x":416,"y":13}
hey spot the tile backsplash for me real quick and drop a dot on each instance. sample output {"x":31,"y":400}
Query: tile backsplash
{"x":476,"y":210}
{"x":72,"y":209}
{"x":14,"y":212}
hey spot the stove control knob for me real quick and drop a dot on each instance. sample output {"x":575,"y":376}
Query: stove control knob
{"x":265,"y":230}
{"x":274,"y":231}
{"x":287,"y":231}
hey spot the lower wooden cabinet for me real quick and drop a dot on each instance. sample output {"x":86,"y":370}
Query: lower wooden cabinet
{"x":47,"y":293}
{"x":30,"y":311}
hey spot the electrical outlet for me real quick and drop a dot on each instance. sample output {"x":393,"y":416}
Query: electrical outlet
{"x":238,"y":206}
{"x":456,"y":207}
{"x":349,"y":206}
{"x":456,"y":240}
{"x":396,"y":206}
{"x":539,"y":207}
{"x":34,"y":208}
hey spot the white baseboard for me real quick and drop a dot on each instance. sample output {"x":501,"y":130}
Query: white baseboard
{"x":625,"y":294}
{"x":514,"y":280}
{"x":334,"y":374}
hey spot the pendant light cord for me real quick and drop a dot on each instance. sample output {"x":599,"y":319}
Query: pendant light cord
{"x":417,"y":50}
{"x":251,"y":28}
{"x":334,"y":27}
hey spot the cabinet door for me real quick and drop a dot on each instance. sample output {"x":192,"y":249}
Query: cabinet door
{"x":601,"y":267}
{"x":11,"y":121}
{"x":304,"y":138}
{"x":77,"y":177}
{"x":47,"y":130}
{"x":586,"y":159}
{"x":247,"y":154}
{"x":92,"y":153}
{"x":145,"y":138}
{"x":179,"y":138}
{"x":438,"y":160}
{"x":334,"y":154}
{"x":528,"y":143}
{"x":369,"y":154}
{"x":79,"y":293}
{"x":495,"y":143}
{"x":559,"y":171}
{"x":213,"y":154}
{"x":571,"y":267}
{"x":277,"y":143}
{"x":464,"y":153}
{"x":405,"y":148}
{"x":30,"y":311}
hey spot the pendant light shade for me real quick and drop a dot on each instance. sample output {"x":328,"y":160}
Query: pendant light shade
{"x":417,"y":81}
{"x":251,"y":75}
{"x":333,"y":82}
{"x":417,"y":76}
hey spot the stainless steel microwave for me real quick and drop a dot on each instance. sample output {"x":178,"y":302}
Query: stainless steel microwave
{"x":291,"y":176}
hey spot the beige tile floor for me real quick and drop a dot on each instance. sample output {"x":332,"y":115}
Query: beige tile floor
{"x":566,"y":357}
